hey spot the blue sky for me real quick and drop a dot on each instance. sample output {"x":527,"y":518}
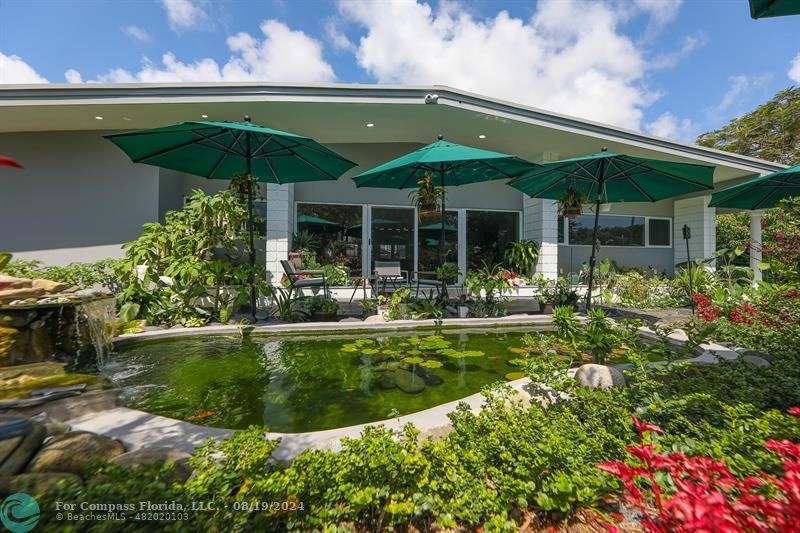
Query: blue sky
{"x":669,"y":67}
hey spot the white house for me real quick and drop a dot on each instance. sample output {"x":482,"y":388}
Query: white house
{"x":79,"y":197}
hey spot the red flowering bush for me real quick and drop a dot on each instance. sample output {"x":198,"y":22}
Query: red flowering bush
{"x":705,"y":308}
{"x":703,"y":495}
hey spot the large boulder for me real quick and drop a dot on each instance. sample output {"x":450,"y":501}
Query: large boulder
{"x":72,"y":452}
{"x":36,"y":483}
{"x":756,"y":360}
{"x":599,"y":376}
{"x":17,"y":451}
{"x":9,"y":295}
{"x":11,"y":282}
{"x":147,"y":456}
{"x":408,"y":381}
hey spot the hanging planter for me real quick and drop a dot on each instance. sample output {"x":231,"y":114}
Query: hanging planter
{"x":428,"y":199}
{"x":571,"y":203}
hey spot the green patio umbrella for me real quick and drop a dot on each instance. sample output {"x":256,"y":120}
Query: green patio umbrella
{"x":607,"y":177}
{"x":323,"y":223}
{"x":438,"y":226}
{"x":219,"y":150}
{"x":450,"y":164}
{"x":773,"y":8}
{"x":761,"y":192}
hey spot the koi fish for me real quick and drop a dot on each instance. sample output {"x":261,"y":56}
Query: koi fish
{"x":202,"y":415}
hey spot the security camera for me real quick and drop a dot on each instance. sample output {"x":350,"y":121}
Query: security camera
{"x":431,"y":98}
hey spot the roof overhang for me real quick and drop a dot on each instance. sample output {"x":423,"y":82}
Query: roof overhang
{"x":339,"y":113}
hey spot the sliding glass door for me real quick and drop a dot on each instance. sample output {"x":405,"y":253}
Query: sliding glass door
{"x":429,"y":232}
{"x":392,"y":236}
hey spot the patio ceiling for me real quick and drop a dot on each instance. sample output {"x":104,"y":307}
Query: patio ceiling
{"x":340,"y":114}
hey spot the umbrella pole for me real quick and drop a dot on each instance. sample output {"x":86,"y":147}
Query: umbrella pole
{"x":593,"y":257}
{"x":442,"y":251}
{"x":251,"y":239}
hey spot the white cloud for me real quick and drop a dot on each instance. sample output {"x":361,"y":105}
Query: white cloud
{"x":337,"y":38}
{"x":661,"y":12}
{"x":282,"y":55}
{"x":73,"y":76}
{"x":794,"y":69}
{"x":670,"y":59}
{"x":569,"y":57}
{"x":13,"y":69}
{"x":741,"y":86}
{"x":184,"y":14}
{"x":135,"y":32}
{"x":669,"y":126}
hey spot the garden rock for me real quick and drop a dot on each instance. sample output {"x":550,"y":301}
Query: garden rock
{"x":51,"y":426}
{"x":36,"y":483}
{"x":147,"y":456}
{"x":599,"y":376}
{"x":756,"y":360}
{"x":48,"y":286}
{"x":16,"y":452}
{"x":386,"y":380}
{"x":408,"y":381}
{"x":374,"y":319}
{"x":72,"y":452}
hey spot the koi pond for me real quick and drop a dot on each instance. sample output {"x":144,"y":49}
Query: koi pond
{"x":303,"y":383}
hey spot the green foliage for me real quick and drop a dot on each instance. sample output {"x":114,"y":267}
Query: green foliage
{"x":571,"y":199}
{"x":288,"y":306}
{"x":322,"y":304}
{"x":599,"y":335}
{"x":427,"y":197}
{"x":485,"y":285}
{"x":769,"y":132}
{"x":521,"y":256}
{"x":448,"y":272}
{"x":566,"y":322}
{"x":5,"y":259}
{"x":336,"y":275}
{"x":168,"y":269}
{"x":632,"y":289}
{"x":305,"y":242}
{"x":103,"y":273}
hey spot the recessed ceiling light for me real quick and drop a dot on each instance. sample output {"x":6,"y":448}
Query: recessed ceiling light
{"x":98,"y":118}
{"x":204,"y":116}
{"x":370,"y":125}
{"x":481,"y":136}
{"x":127,"y":118}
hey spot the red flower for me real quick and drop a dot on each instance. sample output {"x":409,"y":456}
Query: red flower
{"x":794,"y":411}
{"x":642,"y":427}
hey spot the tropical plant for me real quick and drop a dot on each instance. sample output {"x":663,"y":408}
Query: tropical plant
{"x":599,"y":335}
{"x":288,"y":306}
{"x":522,"y":256}
{"x":571,"y":202}
{"x":448,"y":272}
{"x":428,"y":198}
{"x":336,"y":275}
{"x":321,"y":304}
{"x":565,"y":320}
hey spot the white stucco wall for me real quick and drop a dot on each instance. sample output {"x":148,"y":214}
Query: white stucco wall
{"x":77,"y":199}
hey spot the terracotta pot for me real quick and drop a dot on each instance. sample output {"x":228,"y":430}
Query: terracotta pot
{"x":545,"y":308}
{"x":572,"y":211}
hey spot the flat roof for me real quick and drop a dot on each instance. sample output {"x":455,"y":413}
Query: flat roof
{"x":339,"y":113}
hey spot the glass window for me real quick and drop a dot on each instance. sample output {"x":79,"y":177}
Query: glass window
{"x":488,"y":234}
{"x":393,"y":235}
{"x":560,"y":226}
{"x":612,"y":230}
{"x":429,"y":231}
{"x":659,"y":233}
{"x":338,"y":231}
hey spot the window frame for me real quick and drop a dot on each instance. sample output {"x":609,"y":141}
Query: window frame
{"x":564,"y":224}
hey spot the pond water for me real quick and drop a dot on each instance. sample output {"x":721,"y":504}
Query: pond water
{"x":296,"y":384}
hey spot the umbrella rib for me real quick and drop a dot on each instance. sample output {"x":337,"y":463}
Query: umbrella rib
{"x":542,"y":191}
{"x":773,"y":191}
{"x":219,"y":145}
{"x":274,"y":174}
{"x":414,"y":169}
{"x":307,"y":162}
{"x":507,"y":175}
{"x":168,"y":150}
{"x":151,"y":132}
{"x":671,"y":176}
{"x":322,"y":150}
{"x":223,"y":156}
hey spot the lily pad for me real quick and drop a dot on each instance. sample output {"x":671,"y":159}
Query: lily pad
{"x":369,"y":351}
{"x":521,"y":351}
{"x":431,"y":363}
{"x":511,"y":376}
{"x":413,"y":360}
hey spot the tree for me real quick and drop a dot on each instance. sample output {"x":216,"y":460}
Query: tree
{"x":771,"y":132}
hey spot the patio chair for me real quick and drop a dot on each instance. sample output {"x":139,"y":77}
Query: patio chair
{"x":390,"y":272}
{"x":426,"y":284}
{"x":298,"y":283}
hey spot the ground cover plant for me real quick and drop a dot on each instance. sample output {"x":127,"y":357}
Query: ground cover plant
{"x":506,"y":461}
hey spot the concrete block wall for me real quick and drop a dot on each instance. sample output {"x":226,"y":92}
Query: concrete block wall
{"x":279,"y":207}
{"x":695,"y":213}
{"x":540,"y":223}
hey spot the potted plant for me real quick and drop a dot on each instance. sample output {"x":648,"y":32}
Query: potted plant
{"x":323,"y":309}
{"x":448,"y":272}
{"x":428,"y":198}
{"x":571,"y":202}
{"x":546,"y":294}
{"x":382,"y":306}
{"x":463,"y":308}
{"x":369,"y":308}
{"x":522,"y":256}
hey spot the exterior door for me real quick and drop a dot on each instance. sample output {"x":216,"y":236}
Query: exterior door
{"x":392,"y":236}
